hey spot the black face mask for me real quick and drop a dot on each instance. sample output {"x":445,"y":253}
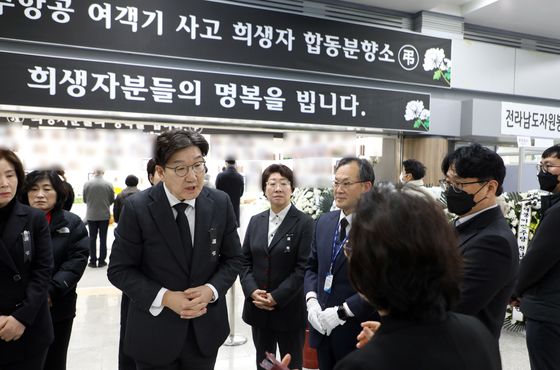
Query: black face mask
{"x":547,"y":181}
{"x":461,"y":202}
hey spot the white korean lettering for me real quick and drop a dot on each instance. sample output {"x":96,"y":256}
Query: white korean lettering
{"x":332,"y":45}
{"x":162,"y":89}
{"x":228,"y":93}
{"x":133,"y":87}
{"x":189,"y":25}
{"x":369,"y":48}
{"x":325,"y":103}
{"x":32,"y":8}
{"x":190,"y":90}
{"x":77,"y":80}
{"x":313,"y":41}
{"x":129,"y":16}
{"x":243,"y":32}
{"x":266,"y":34}
{"x":212,"y":28}
{"x":6,"y":3}
{"x":386,"y":55}
{"x":61,"y":10}
{"x":154,"y":16}
{"x":306,"y":100}
{"x":101,"y":12}
{"x":106,"y":82}
{"x":43,"y":79}
{"x":285,"y":37}
{"x":349,"y":103}
{"x":250,"y":95}
{"x":274,"y":100}
{"x":350,"y":48}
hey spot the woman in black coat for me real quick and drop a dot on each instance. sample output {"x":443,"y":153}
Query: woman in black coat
{"x":45,"y":190}
{"x":25,"y":270}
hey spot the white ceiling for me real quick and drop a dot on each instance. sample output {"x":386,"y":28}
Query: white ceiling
{"x":533,"y":17}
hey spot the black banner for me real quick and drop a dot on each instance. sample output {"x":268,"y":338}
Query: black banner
{"x":76,"y":84}
{"x":205,"y":30}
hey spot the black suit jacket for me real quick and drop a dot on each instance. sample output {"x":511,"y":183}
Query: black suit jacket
{"x":147,"y":255}
{"x":539,"y":271}
{"x":231,"y":182}
{"x":491,"y":259}
{"x":342,"y":290}
{"x":70,"y":243}
{"x":24,"y":282}
{"x":459,"y":342}
{"x":278,"y":269}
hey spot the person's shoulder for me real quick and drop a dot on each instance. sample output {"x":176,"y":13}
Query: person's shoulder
{"x":214,"y":194}
{"x":362,"y":359}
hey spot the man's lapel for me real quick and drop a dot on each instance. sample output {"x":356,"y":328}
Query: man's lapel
{"x":203,"y":231}
{"x":163,"y":217}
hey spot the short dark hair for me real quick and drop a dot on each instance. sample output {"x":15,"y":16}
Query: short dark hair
{"x":34,"y":177}
{"x":283,"y":170}
{"x":366,"y":169}
{"x":230,"y":160}
{"x":172,"y":141}
{"x":415,"y":168}
{"x":553,"y":151}
{"x":14,"y":160}
{"x":151,"y":168}
{"x":413,"y":272}
{"x":476,"y":161}
{"x":131,"y":180}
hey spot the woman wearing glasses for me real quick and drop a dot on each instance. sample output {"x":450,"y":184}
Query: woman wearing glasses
{"x":411,"y":276}
{"x":45,"y":191}
{"x":25,"y":271}
{"x":276,"y":247}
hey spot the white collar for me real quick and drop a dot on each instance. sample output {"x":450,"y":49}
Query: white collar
{"x":464,"y":219}
{"x":282,"y":214}
{"x":173,"y":199}
{"x":348,"y":218}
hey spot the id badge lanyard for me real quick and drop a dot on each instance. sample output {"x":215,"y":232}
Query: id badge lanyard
{"x":336,"y":248}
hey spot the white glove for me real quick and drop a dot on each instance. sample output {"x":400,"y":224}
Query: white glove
{"x":329,"y":319}
{"x":313,"y":311}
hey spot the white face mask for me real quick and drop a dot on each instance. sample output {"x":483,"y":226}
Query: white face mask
{"x":401,"y":178}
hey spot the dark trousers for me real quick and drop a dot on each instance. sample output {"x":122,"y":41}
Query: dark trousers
{"x":190,"y":358}
{"x":56,"y":357}
{"x":334,"y":348}
{"x":94,"y":227}
{"x":291,"y":342}
{"x":33,"y":362}
{"x":543,"y":344}
{"x":125,"y":362}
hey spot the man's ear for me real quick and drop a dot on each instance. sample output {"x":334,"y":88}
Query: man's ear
{"x":493,"y":186}
{"x":159,"y":170}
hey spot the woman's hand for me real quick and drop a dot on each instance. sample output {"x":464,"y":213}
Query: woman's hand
{"x":368,"y":331}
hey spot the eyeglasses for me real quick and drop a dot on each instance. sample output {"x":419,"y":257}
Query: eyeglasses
{"x":458,"y":186}
{"x":282,"y":184}
{"x":544,"y":167}
{"x":182,"y":170}
{"x":345,"y":184}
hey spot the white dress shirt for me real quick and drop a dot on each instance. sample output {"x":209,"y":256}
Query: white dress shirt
{"x":275,"y":220}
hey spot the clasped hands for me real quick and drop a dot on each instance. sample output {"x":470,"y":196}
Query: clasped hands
{"x":10,"y":328}
{"x":188,"y":304}
{"x":263,"y":300}
{"x":324,"y":321}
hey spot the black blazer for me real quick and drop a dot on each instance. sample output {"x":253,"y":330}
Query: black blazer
{"x":490,"y":259}
{"x":459,"y":342}
{"x":24,"y":282}
{"x":147,"y":255}
{"x":539,"y":272}
{"x":70,"y":243}
{"x":279,"y":270}
{"x":231,"y":182}
{"x":342,"y":290}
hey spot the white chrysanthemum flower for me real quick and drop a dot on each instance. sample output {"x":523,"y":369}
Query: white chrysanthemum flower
{"x":425,"y":114}
{"x":433,"y":59}
{"x":413,"y":109}
{"x":446,"y":64}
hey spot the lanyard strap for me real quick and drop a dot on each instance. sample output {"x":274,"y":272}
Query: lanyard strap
{"x":336,"y":246}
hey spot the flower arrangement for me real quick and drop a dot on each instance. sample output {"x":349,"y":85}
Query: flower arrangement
{"x":313,"y":201}
{"x":415,"y":111}
{"x":435,"y":60}
{"x":522,"y":213}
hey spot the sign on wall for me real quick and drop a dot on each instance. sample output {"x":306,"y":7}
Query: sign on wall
{"x":218,"y":32}
{"x":107,"y":87}
{"x":530,"y":120}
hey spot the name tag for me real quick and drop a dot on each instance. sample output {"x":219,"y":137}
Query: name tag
{"x":328,"y":283}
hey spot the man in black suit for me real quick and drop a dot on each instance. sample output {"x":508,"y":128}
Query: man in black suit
{"x":539,"y":272}
{"x":473,"y":179}
{"x":175,"y":255}
{"x":335,"y":309}
{"x":275,"y":250}
{"x":230,"y":181}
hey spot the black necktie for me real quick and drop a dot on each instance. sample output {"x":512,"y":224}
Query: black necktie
{"x":184,"y":229}
{"x":342,"y":232}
